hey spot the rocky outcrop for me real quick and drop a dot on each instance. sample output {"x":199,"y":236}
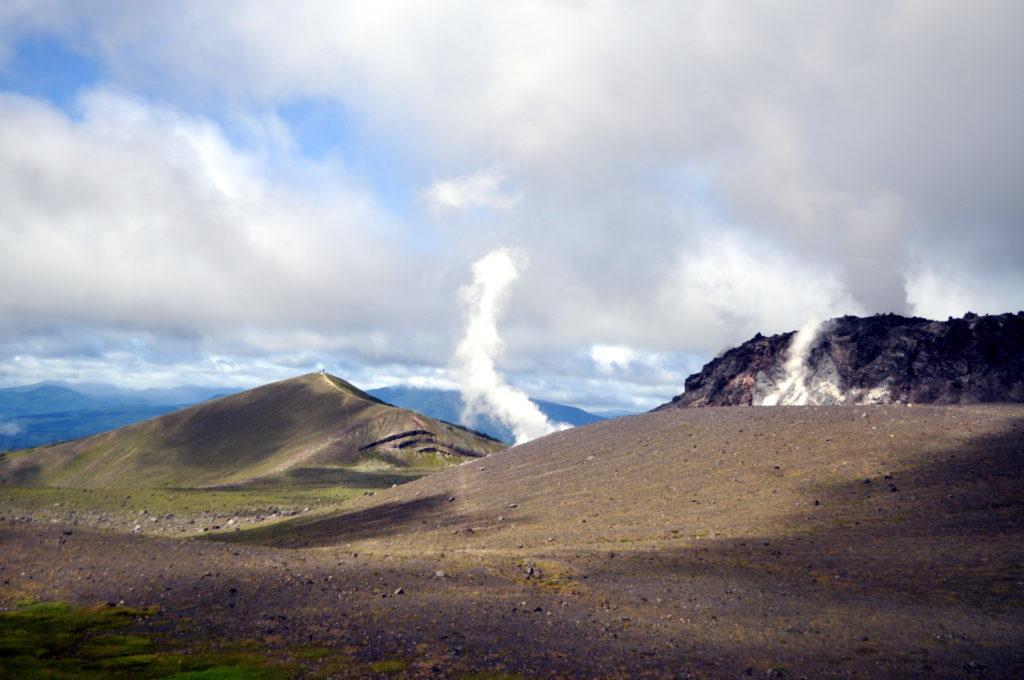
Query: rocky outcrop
{"x":878,"y":359}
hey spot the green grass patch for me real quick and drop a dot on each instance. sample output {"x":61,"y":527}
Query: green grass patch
{"x":238,"y":672}
{"x":388,"y":666}
{"x":312,"y":652}
{"x":63,"y":641}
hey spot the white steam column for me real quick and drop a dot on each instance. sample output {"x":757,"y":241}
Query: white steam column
{"x":483,"y":389}
{"x":792,"y":389}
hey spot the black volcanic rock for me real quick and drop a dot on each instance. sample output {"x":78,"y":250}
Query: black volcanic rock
{"x":878,"y":359}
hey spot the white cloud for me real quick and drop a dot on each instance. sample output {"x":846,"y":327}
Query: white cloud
{"x":842,"y":156}
{"x":480,"y":189}
{"x":128,"y":369}
{"x":610,"y":357}
{"x":939,"y":293}
{"x":731,"y":287}
{"x":142,"y":216}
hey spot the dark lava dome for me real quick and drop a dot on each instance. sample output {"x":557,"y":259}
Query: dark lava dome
{"x":872,"y":360}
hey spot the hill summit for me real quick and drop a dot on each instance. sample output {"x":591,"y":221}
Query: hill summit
{"x":869,"y":360}
{"x":312,"y":421}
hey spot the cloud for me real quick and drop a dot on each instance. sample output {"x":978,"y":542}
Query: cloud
{"x":610,"y":357}
{"x":732,"y":285}
{"x":141,"y":216}
{"x":942,"y":291}
{"x":847,"y":136}
{"x":685,"y":174}
{"x":481,"y":189}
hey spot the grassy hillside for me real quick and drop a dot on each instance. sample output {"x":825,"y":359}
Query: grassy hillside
{"x":313,"y":421}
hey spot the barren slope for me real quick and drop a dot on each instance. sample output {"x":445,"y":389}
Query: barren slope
{"x":704,"y":543}
{"x":680,"y":477}
{"x":311,"y":421}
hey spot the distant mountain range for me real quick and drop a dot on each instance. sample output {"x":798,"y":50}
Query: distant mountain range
{"x":44,"y":413}
{"x":448,"y":405}
{"x":156,"y":396}
{"x":50,"y":412}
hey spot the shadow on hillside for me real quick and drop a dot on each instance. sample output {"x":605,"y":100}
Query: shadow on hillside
{"x":19,"y":474}
{"x":946,"y":531}
{"x":387,"y":519}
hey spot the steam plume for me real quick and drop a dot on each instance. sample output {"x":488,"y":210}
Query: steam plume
{"x":792,"y":389}
{"x":483,"y":390}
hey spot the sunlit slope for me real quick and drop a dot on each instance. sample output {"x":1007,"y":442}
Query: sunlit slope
{"x":686,"y":477}
{"x":314,"y":420}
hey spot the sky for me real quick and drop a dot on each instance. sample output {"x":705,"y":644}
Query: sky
{"x":228,"y":193}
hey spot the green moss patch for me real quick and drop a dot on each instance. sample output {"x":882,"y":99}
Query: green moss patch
{"x":63,"y":641}
{"x":388,"y":666}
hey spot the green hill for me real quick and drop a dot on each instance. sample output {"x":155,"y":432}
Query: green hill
{"x":312,"y":421}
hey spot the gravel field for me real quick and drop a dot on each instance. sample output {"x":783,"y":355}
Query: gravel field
{"x":795,"y":542}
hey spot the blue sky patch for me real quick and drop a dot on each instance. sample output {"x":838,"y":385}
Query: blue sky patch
{"x":323,"y":128}
{"x":46,"y":68}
